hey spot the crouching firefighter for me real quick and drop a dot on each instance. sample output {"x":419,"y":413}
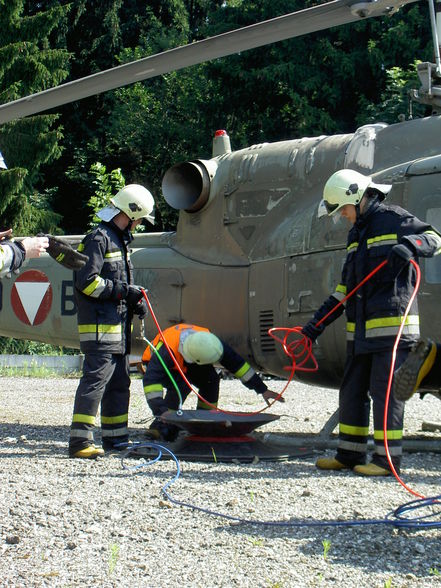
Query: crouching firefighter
{"x":374,"y":314}
{"x":107,"y":300}
{"x":195,"y":349}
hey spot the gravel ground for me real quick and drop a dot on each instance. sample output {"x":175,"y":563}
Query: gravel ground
{"x":85,"y":523}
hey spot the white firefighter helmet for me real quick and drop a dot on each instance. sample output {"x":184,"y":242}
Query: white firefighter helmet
{"x":202,"y":347}
{"x":136,"y":201}
{"x":348,"y":186}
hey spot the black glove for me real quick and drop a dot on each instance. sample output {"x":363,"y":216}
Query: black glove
{"x":124,"y":291}
{"x":398,"y":258}
{"x":134,"y":295}
{"x":140,"y":309}
{"x":311,"y":331}
{"x":62,"y":251}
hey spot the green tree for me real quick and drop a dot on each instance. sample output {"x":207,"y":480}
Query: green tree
{"x":323,"y":83}
{"x":27,"y":65}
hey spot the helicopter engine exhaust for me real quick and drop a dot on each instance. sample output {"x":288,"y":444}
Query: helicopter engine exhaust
{"x":186,"y":186}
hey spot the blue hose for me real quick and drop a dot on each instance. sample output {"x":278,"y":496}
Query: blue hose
{"x":396,"y":518}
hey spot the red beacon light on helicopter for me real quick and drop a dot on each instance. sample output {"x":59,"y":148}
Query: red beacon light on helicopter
{"x":221,"y":143}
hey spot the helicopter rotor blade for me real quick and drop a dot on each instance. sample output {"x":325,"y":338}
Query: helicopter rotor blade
{"x":309,"y":20}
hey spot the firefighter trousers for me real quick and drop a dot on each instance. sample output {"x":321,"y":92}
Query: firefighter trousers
{"x":105,"y":381}
{"x":204,"y":378}
{"x":365,"y":378}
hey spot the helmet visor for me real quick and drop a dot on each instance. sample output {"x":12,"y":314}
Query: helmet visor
{"x":330,"y":208}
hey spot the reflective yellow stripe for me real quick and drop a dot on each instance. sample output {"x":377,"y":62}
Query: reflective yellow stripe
{"x":113,"y":254}
{"x":122,"y":418}
{"x":93,"y":286}
{"x":341,"y":288}
{"x":382,"y":240}
{"x":93,"y":328}
{"x":391,"y":435}
{"x":243,"y":370}
{"x":351,"y":430}
{"x":152,"y":388}
{"x":83,"y":418}
{"x":350,"y":327}
{"x":352,"y":246}
{"x":81,"y":247}
{"x":391,"y":321}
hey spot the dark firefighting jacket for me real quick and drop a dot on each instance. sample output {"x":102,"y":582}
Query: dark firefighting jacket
{"x":374,"y":313}
{"x":155,"y":377}
{"x":104,"y":321}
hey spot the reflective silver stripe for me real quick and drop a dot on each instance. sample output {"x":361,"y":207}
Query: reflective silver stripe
{"x":102,"y":337}
{"x":359,"y":447}
{"x":114,"y":432}
{"x":380,"y":449}
{"x":101,"y":284}
{"x":392,"y":331}
{"x":437,"y":237}
{"x":338,"y":295}
{"x":82,"y":433}
{"x":95,"y":287}
{"x":247,"y":375}
{"x":153,"y":395}
{"x":350,"y":336}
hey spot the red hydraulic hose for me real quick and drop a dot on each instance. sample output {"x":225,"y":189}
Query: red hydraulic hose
{"x":389,"y":383}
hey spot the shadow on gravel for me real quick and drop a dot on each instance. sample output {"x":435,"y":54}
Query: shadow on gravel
{"x":38,"y":439}
{"x":372,"y":549}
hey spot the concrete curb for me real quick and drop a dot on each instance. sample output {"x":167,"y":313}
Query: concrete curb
{"x":62,"y":364}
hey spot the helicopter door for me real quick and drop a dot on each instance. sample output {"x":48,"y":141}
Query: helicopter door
{"x":423,"y":195}
{"x":265,"y":299}
{"x":310,"y":279}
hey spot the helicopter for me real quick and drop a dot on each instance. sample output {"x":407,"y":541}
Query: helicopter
{"x":250,"y":251}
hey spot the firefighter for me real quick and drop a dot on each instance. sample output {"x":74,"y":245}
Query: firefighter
{"x":107,"y":300}
{"x":195,"y":349}
{"x":420,"y":371}
{"x":374,"y":314}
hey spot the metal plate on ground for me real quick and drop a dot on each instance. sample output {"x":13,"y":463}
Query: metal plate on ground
{"x":247,"y":450}
{"x":214,"y":423}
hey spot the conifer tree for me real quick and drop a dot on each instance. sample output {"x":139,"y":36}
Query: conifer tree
{"x":28,"y":64}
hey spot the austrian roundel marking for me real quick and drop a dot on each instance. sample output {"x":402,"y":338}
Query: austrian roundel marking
{"x":31,"y":297}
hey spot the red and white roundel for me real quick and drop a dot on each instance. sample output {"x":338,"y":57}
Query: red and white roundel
{"x":31,"y":297}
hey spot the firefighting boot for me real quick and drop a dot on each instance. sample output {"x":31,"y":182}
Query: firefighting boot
{"x":160,"y":431}
{"x":330,"y":463}
{"x":414,"y":369}
{"x":89,"y":452}
{"x":371,"y":469}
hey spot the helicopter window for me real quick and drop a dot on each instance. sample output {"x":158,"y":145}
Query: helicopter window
{"x":327,"y":232}
{"x":433,"y":265}
{"x":257,"y":203}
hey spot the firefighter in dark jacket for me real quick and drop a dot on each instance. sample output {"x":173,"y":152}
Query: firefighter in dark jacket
{"x":107,"y":300}
{"x":374,"y":315}
{"x":195,"y":349}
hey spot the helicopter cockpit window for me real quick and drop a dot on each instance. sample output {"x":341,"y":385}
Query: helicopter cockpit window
{"x":433,"y":264}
